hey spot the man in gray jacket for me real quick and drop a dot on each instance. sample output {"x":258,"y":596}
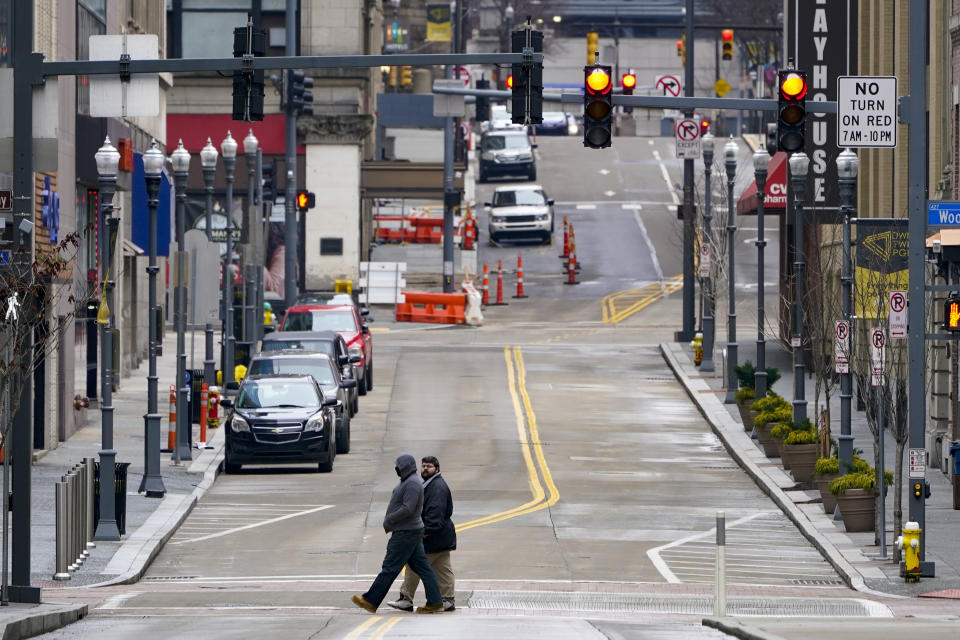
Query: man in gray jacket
{"x":405,"y":546}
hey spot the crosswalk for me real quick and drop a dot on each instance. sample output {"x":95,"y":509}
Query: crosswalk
{"x":217,"y":519}
{"x":763,"y":548}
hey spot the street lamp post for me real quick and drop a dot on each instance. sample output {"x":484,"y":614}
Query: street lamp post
{"x":181,"y":168}
{"x":228,"y":149}
{"x":706,"y":365}
{"x":761,"y":161}
{"x":208,"y":161}
{"x":730,"y":151}
{"x":152,"y":482}
{"x":251,"y":223}
{"x":799,"y":164}
{"x":108,"y":159}
{"x":847,"y":166}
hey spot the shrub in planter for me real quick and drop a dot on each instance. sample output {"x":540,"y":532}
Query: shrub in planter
{"x":744,"y":397}
{"x":769,"y":403}
{"x":746,"y":374}
{"x":856,"y":493}
{"x":825,"y":471}
{"x":799,"y":450}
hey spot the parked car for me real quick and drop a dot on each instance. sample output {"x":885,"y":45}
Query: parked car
{"x":344,"y":319}
{"x":328,"y":342}
{"x":279,"y":420}
{"x":506,"y":153}
{"x":554,"y":123}
{"x":519,"y":211}
{"x":321,"y":367}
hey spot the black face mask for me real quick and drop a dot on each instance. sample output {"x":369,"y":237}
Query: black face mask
{"x":397,"y":469}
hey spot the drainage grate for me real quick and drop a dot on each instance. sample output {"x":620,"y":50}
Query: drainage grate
{"x":816,"y":583}
{"x":545,"y":601}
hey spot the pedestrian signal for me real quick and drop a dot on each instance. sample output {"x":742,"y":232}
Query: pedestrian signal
{"x":951,"y":313}
{"x":306,"y":200}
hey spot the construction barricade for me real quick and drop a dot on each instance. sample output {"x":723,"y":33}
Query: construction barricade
{"x":440,"y":308}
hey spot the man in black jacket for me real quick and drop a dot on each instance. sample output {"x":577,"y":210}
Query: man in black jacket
{"x":405,"y":546}
{"x":439,"y":538}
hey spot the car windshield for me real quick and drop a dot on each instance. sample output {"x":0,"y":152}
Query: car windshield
{"x":323,"y":346}
{"x":495,"y":143}
{"x":533,"y":197}
{"x":276,"y":394}
{"x":319,"y":368}
{"x":320,"y":320}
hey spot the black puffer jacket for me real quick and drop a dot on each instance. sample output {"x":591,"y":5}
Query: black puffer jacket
{"x":406,"y":502}
{"x":439,"y":532}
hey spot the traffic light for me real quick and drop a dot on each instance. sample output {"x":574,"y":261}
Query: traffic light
{"x":627,"y":83}
{"x":406,"y":75}
{"x":704,"y":127}
{"x":248,"y":85}
{"x":951,"y":313}
{"x":268,"y":184}
{"x":791,"y":110}
{"x":392,"y":77}
{"x":682,"y":49}
{"x":772,"y":138}
{"x":597,"y":106}
{"x":593,"y":44}
{"x":306,"y":200}
{"x":298,"y":98}
{"x":483,"y":102}
{"x":526,"y":79}
{"x":726,"y":48}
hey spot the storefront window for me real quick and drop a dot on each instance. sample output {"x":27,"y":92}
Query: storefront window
{"x":89,"y":22}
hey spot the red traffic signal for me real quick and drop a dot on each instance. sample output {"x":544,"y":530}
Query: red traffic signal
{"x":510,"y":81}
{"x":679,"y":47}
{"x":727,"y":35}
{"x":704,"y":127}
{"x":951,"y":313}
{"x":306,"y":200}
{"x":628,"y":82}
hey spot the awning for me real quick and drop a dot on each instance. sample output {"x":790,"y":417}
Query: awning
{"x":775,"y":193}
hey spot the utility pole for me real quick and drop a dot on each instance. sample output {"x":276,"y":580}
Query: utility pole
{"x":290,"y":204}
{"x":449,"y":192}
{"x":686,"y":334}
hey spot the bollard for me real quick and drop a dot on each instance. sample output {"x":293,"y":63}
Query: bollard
{"x":76,"y":534}
{"x":204,"y":400}
{"x":60,"y":500}
{"x":71,"y":523}
{"x":520,"y":293}
{"x":485,"y":298}
{"x":82,"y":511}
{"x":499,"y":301}
{"x":90,"y":463}
{"x":720,"y":586}
{"x":172,"y":428}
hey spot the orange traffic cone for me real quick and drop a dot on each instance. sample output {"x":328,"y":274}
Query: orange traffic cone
{"x":566,"y":239}
{"x":485,"y":299}
{"x":520,"y":293}
{"x":499,"y":284}
{"x":204,"y":404}
{"x":172,"y":428}
{"x":571,"y":268}
{"x":573,"y":247}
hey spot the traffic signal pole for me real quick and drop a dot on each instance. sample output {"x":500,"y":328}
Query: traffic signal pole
{"x":689,"y":283}
{"x":290,"y":168}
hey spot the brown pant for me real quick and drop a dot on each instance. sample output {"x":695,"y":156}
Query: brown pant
{"x":440,"y":562}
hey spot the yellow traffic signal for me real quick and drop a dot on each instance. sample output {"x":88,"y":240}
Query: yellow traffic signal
{"x":392,"y":77}
{"x":510,"y":81}
{"x":406,"y":75}
{"x":597,"y":106}
{"x":593,"y":44}
{"x":727,"y":47}
{"x":791,"y":110}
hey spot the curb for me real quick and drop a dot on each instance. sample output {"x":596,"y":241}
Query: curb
{"x":737,"y":629}
{"x":55,"y":616}
{"x":827,"y":549}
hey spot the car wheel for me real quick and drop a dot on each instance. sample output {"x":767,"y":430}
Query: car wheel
{"x":326,"y":466}
{"x":532,"y":176}
{"x":343,"y":438}
{"x":229,"y":467}
{"x":356,"y":405}
{"x":482,"y":178}
{"x":362,"y":386}
{"x":369,"y":378}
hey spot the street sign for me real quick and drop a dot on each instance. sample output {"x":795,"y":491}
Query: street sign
{"x":898,"y":314}
{"x":867,"y":111}
{"x":6,"y":200}
{"x":140,"y":95}
{"x":878,"y":351}
{"x":943,"y":213}
{"x":841,"y":346}
{"x":721,"y":86}
{"x":670,"y":85}
{"x":465,"y":76}
{"x":704,"y":259}
{"x":687,"y":133}
{"x":918,"y":463}
{"x":4,"y":256}
{"x":448,"y":105}
{"x":795,"y":342}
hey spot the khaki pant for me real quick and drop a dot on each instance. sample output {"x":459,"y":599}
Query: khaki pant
{"x":440,"y":562}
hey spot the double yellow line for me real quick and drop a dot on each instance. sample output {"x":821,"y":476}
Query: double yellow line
{"x":375,"y":634}
{"x":530,"y":446}
{"x":621,"y":305}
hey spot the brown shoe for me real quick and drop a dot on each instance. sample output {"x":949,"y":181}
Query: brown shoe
{"x":430,"y":608}
{"x":361,"y":602}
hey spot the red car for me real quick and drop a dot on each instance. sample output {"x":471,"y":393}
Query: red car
{"x":345,"y":320}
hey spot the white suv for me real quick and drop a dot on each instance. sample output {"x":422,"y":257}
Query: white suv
{"x":520,"y":211}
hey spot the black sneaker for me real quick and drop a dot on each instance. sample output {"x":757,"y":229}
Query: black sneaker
{"x":449,"y":606}
{"x":402,"y":604}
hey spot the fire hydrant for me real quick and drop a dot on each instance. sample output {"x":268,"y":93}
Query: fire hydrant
{"x":697,"y":345}
{"x":909,"y":543}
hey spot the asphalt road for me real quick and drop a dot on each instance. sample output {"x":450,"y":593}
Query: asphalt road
{"x":586,"y":485}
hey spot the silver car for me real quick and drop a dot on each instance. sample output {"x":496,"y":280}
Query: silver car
{"x":521,"y":211}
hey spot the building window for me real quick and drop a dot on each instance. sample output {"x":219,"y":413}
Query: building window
{"x":90,"y":21}
{"x":204,"y":28}
{"x":331,"y":246}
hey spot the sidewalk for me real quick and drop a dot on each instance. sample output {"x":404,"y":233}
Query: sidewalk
{"x":854,"y":555}
{"x":150,"y":521}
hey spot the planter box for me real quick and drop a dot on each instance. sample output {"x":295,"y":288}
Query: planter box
{"x":766,"y":441}
{"x":829,"y":500}
{"x":746,"y":415}
{"x":857,"y":509}
{"x":778,"y":445}
{"x":802,"y":458}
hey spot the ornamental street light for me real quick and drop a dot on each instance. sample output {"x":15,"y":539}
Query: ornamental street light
{"x":799,"y":164}
{"x":730,"y":151}
{"x":761,"y":161}
{"x":228,"y":149}
{"x":847,"y":166}
{"x":251,"y":223}
{"x":709,"y":331}
{"x":208,"y":161}
{"x":152,"y":482}
{"x":108,"y":159}
{"x":181,"y":168}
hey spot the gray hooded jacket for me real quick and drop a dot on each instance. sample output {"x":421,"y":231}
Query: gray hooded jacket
{"x":406,"y":503}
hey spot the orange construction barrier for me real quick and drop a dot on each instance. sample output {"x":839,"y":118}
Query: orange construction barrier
{"x":204,"y":403}
{"x":441,"y":308}
{"x":172,"y":428}
{"x":499,"y":284}
{"x":520,"y":293}
{"x":485,"y":296}
{"x":571,"y":268}
{"x":427,"y":229}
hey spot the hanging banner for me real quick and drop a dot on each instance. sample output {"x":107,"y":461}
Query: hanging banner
{"x":881,"y":264}
{"x":438,"y":22}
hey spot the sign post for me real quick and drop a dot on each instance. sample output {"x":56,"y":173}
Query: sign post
{"x":841,"y":346}
{"x":867,"y":111}
{"x":898,"y":314}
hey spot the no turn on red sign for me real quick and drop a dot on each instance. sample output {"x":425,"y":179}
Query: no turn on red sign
{"x":897,"y":304}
